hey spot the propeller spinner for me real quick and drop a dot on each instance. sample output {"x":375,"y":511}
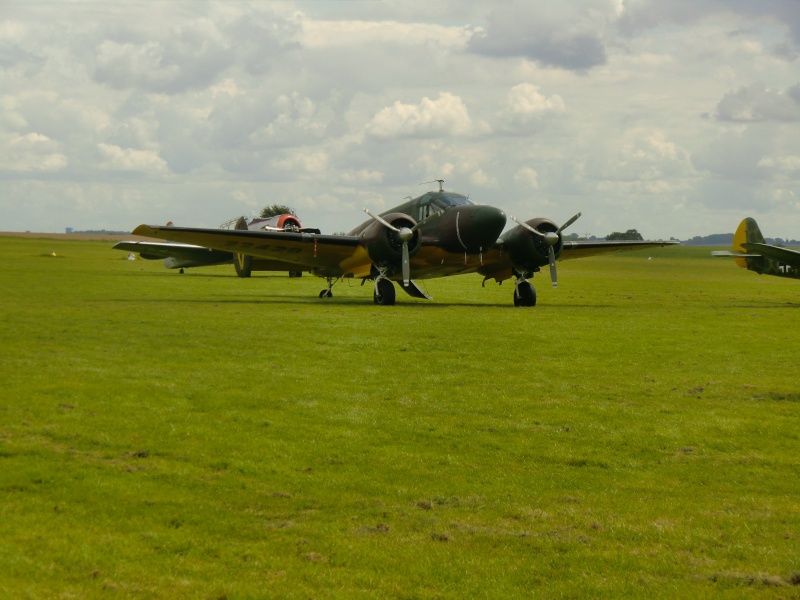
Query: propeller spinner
{"x":406,"y":234}
{"x":551,"y":239}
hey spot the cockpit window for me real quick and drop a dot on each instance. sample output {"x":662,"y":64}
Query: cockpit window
{"x":448,"y":201}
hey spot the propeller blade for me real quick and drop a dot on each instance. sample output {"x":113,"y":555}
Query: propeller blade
{"x":568,"y":223}
{"x":553,"y":275}
{"x":526,"y":226}
{"x":551,"y":238}
{"x":381,"y":220}
{"x":406,"y":235}
{"x":406,"y":266}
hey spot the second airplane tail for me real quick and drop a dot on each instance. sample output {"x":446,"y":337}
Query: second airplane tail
{"x":748,"y":232}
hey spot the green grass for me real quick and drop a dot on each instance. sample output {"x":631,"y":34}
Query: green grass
{"x":200,"y":435}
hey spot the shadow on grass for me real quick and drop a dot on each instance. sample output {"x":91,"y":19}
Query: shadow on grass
{"x":764,"y":304}
{"x":350,"y":301}
{"x":174,"y":273}
{"x":403,"y":302}
{"x":777,"y":397}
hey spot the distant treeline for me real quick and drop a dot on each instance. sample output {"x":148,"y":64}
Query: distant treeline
{"x":101,"y":232}
{"x":726,"y":239}
{"x":715,"y":239}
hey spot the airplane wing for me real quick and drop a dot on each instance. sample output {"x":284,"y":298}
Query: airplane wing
{"x":325,"y":255}
{"x":497,"y":263}
{"x":190,"y":252}
{"x":584,"y":249}
{"x":791,"y":257}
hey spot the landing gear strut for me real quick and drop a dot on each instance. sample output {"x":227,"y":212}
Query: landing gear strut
{"x":524,"y":292}
{"x":384,"y":293}
{"x":328,"y":293}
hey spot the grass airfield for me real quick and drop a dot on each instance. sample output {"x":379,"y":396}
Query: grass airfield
{"x":204,"y":436}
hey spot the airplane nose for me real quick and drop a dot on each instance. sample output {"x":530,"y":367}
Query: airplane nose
{"x":483,"y":226}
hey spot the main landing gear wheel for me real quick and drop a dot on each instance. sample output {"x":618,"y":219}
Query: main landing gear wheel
{"x":384,"y":293}
{"x":326,"y":294}
{"x":243,"y":265}
{"x":524,"y":294}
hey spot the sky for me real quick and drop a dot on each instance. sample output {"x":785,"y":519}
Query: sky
{"x":675,"y":118}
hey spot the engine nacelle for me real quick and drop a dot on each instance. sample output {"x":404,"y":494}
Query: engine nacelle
{"x":529,"y":252}
{"x":384,"y":246}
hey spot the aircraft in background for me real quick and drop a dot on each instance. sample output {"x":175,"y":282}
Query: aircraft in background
{"x":750,"y":251}
{"x":182,"y":256}
{"x":437,"y":234}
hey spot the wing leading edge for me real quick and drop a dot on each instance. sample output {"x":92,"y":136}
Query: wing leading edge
{"x":584,"y":249}
{"x":324,"y":255}
{"x":189,"y":252}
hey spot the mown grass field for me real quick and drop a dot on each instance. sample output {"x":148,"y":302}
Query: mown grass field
{"x":203,"y":436}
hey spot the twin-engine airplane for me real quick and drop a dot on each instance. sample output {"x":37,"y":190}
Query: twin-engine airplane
{"x":182,"y":256}
{"x":751,"y":251}
{"x":435,"y":235}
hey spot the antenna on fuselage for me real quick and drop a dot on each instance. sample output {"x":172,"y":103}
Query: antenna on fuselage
{"x":439,"y":181}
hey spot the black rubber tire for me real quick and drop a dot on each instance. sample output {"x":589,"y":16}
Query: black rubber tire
{"x":524,"y":294}
{"x":243,"y":265}
{"x":386,"y":293}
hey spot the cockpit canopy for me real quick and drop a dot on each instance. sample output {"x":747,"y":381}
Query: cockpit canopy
{"x":451,"y":200}
{"x":440,"y":202}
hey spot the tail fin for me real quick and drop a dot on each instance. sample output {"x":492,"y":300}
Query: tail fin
{"x":747,"y":233}
{"x":739,"y":238}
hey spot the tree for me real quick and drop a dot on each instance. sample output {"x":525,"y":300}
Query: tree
{"x":631,"y":234}
{"x":277,"y":209}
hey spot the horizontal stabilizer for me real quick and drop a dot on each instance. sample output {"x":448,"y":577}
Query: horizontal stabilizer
{"x":734,"y":254}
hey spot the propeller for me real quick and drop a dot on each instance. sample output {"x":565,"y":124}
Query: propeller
{"x":551,"y":239}
{"x":406,"y":234}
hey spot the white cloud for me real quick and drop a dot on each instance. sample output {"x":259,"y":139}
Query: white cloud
{"x":128,"y":159}
{"x":524,"y":99}
{"x":526,"y":108}
{"x":480,"y":178}
{"x":303,"y":161}
{"x":785,"y":166}
{"x":527,"y":177}
{"x":361,"y":176}
{"x":446,"y":115}
{"x":29,"y":153}
{"x":646,"y":155}
{"x":433,"y":162}
{"x":337,"y":34}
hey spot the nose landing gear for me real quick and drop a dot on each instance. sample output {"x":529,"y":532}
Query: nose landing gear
{"x":524,"y":292}
{"x":384,"y":293}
